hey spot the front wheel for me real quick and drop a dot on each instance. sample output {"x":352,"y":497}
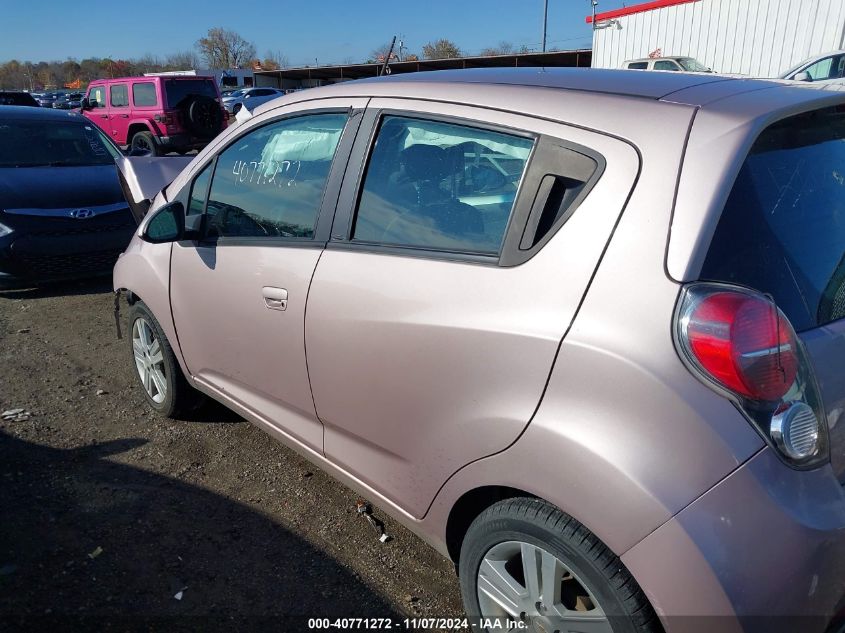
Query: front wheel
{"x":156,"y":367}
{"x":525,"y":561}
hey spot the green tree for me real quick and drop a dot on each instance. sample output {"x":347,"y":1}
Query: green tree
{"x":441,"y":49}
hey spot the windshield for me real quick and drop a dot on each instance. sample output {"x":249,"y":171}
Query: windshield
{"x":782,"y":231}
{"x":39,"y":143}
{"x":692,"y":65}
{"x":179,"y":90}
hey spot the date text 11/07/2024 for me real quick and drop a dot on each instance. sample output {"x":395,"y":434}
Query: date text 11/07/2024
{"x":415,"y":624}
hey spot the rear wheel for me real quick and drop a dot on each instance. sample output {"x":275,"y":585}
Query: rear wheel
{"x":156,"y":367}
{"x":145,"y":142}
{"x":523,"y":560}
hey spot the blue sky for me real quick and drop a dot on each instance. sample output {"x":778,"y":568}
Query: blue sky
{"x":328,"y":31}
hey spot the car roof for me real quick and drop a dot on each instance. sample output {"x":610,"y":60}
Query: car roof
{"x":620,"y":82}
{"x":657,"y":59}
{"x":21,"y":113}
{"x":148,"y":78}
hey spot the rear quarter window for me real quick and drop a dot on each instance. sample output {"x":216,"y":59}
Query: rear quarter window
{"x":144,"y":94}
{"x":782,"y":230}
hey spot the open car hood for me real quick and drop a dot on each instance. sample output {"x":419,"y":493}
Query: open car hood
{"x":143,"y":177}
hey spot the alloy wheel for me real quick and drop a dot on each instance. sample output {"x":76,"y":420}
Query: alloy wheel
{"x":149,"y":360}
{"x":525,"y":583}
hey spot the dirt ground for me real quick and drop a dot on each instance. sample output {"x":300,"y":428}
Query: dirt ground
{"x":109,"y":512}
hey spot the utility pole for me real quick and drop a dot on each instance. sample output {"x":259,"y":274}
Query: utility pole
{"x":545,"y":22}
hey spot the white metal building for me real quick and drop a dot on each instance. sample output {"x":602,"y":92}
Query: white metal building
{"x":760,"y":38}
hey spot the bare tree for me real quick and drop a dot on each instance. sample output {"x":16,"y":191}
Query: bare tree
{"x":186,"y":60}
{"x":504,"y":48}
{"x":223,"y":49}
{"x":441,"y":49}
{"x":273,"y":60}
{"x":380,"y":52}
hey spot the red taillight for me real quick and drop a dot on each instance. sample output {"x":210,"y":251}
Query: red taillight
{"x":742,"y":342}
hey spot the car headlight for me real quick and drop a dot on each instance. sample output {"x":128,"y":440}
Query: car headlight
{"x":4,"y":230}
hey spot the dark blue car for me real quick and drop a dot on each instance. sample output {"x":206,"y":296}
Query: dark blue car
{"x":62,"y":212}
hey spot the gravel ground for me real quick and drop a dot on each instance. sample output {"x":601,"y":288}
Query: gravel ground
{"x":109,"y":512}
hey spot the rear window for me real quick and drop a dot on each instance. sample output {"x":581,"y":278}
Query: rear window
{"x":180,"y":90}
{"x":782,"y":231}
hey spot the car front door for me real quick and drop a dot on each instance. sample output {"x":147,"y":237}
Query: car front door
{"x":98,"y":111}
{"x":238,"y":294}
{"x":437,"y":308}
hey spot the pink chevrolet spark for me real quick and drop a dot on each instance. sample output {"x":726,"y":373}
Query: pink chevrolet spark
{"x":580,"y":330}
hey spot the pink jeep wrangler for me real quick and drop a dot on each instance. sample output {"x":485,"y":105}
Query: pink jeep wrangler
{"x":157,"y":115}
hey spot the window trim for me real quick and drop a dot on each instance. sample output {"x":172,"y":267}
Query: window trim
{"x":328,"y":202}
{"x":509,"y":253}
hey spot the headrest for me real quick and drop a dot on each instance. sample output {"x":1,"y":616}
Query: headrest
{"x":424,"y":162}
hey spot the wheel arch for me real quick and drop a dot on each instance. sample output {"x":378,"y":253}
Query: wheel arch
{"x":468,"y":507}
{"x":138,"y":126}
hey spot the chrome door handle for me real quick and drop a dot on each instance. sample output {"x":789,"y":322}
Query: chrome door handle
{"x":275,"y":298}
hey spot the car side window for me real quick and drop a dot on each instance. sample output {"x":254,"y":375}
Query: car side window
{"x":199,"y":191}
{"x":665,"y":64}
{"x":119,"y":95}
{"x":97,"y":97}
{"x":440,"y":186}
{"x":827,"y":68}
{"x":270,"y":182}
{"x":638,"y":65}
{"x":144,"y":94}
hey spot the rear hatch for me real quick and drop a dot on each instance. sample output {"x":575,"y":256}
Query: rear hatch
{"x":782,"y":232}
{"x":195,"y":104}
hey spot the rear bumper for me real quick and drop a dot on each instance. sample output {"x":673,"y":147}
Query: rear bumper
{"x":763,"y":551}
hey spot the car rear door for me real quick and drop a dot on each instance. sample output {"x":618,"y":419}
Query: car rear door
{"x":119,"y":111}
{"x":238,"y":294}
{"x":464,"y":241}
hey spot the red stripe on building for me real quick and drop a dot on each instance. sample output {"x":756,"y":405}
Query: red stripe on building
{"x":637,"y":8}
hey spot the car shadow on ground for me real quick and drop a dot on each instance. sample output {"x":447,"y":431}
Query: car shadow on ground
{"x":210,"y":411}
{"x":97,"y":285}
{"x":87,"y":543}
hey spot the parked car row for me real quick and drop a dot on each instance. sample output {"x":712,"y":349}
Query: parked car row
{"x":825,"y":68}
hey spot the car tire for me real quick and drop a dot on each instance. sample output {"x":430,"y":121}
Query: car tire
{"x":145,"y":141}
{"x":516,"y":536}
{"x":237,"y":108}
{"x":158,"y":373}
